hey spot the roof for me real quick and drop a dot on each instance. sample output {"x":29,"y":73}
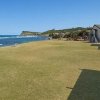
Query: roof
{"x":98,"y":26}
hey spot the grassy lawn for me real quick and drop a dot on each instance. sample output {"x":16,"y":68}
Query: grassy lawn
{"x":44,"y":70}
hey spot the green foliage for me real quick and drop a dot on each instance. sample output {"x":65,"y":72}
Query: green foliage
{"x":73,"y":33}
{"x":71,"y":30}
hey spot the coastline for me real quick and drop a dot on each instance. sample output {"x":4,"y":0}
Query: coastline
{"x":13,"y":40}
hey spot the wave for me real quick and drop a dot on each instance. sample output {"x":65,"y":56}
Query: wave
{"x":14,"y":36}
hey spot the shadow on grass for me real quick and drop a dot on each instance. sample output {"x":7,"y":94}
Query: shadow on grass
{"x":87,"y":86}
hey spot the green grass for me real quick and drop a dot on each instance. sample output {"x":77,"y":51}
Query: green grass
{"x":43,"y":70}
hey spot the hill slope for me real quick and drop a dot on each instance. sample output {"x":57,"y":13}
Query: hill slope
{"x":66,"y":30}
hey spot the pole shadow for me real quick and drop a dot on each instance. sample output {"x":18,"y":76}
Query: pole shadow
{"x":87,"y":86}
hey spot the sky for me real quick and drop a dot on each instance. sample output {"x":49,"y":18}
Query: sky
{"x":42,"y":15}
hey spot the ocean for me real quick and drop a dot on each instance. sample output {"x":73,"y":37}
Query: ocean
{"x":8,"y":40}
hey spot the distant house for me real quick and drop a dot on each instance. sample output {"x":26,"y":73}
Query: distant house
{"x":95,"y":34}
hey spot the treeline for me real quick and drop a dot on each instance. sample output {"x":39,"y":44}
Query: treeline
{"x":70,"y":34}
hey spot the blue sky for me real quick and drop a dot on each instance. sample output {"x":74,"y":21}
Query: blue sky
{"x":42,"y":15}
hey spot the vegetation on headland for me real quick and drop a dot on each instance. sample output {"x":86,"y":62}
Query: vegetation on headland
{"x":25,"y":33}
{"x":44,"y":71}
{"x":66,"y":30}
{"x":69,"y":34}
{"x":73,"y":33}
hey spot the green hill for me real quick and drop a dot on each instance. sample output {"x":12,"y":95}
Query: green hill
{"x":66,"y":31}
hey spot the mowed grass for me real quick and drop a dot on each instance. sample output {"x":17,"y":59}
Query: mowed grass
{"x":43,"y":70}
